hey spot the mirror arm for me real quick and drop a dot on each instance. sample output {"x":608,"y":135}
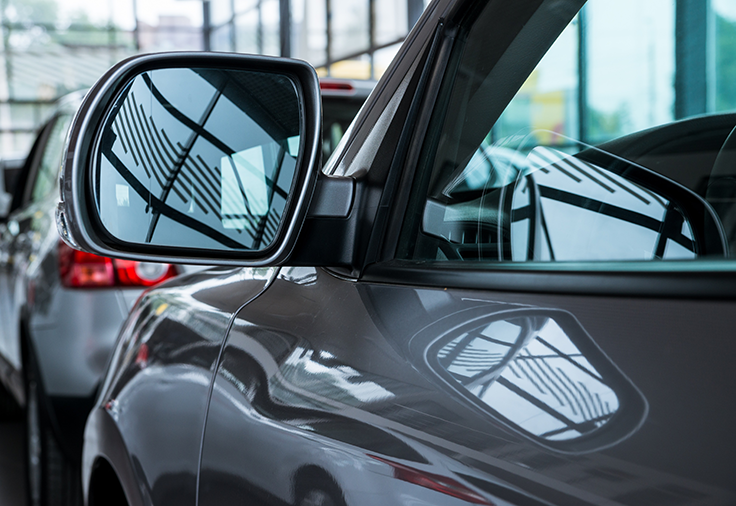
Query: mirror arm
{"x":333,"y":197}
{"x":327,"y":236}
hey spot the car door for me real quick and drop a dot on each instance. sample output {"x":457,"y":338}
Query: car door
{"x":26,"y":228}
{"x":537,"y":318}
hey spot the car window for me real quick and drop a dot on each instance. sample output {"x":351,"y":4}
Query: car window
{"x":598,"y":151}
{"x":337,"y":114}
{"x":47,"y":175}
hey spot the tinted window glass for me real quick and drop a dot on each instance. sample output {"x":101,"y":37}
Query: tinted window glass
{"x":47,"y":176}
{"x":603,"y":152}
{"x":337,"y":114}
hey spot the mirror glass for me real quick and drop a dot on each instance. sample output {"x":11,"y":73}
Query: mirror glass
{"x":199,"y":158}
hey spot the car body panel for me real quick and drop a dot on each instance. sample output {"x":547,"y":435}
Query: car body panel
{"x":291,"y":369}
{"x":164,"y":364}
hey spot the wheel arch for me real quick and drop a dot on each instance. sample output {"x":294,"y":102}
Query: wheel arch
{"x":105,"y":488}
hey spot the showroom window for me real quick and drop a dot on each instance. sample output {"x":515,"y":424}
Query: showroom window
{"x":613,"y":144}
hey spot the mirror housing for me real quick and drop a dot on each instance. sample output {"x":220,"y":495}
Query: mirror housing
{"x":179,"y":186}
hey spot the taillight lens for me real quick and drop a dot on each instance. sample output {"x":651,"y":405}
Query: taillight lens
{"x":80,"y":269}
{"x":336,"y":86}
{"x":132,"y":273}
{"x":85,"y":270}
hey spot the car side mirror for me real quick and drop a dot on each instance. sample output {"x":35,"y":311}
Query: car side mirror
{"x":193,"y":156}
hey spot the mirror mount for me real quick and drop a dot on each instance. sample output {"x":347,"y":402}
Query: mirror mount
{"x":250,"y":107}
{"x":329,"y":232}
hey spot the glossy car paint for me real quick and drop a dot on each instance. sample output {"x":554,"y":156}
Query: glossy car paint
{"x":36,"y":306}
{"x":305,"y":385}
{"x":301,"y":387}
{"x":163,"y":366}
{"x":308,"y":397}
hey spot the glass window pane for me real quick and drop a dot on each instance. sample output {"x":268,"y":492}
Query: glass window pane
{"x":356,"y":68}
{"x":220,"y":11}
{"x":586,"y":162}
{"x":349,"y":28}
{"x":244,"y":5}
{"x":221,"y":39}
{"x":47,"y":178}
{"x":309,"y":38}
{"x":630,"y":66}
{"x":246,"y":25}
{"x":391,"y":21}
{"x":270,"y":18}
{"x":724,"y":17}
{"x":547,"y":103}
{"x":383,"y":58}
{"x":16,"y":144}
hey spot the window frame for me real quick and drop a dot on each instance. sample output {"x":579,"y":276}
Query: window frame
{"x":43,"y":152}
{"x":701,"y":278}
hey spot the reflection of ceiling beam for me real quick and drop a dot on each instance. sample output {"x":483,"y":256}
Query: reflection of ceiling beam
{"x":267,"y":99}
{"x":167,"y":210}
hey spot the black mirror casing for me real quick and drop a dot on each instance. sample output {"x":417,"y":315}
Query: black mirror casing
{"x":79,"y":216}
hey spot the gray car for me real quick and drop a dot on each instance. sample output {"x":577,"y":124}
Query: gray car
{"x":482,"y":298}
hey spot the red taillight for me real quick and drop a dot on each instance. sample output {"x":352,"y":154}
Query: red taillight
{"x":131,"y":273}
{"x":434,"y":482}
{"x":335,"y":86}
{"x":78,"y":269}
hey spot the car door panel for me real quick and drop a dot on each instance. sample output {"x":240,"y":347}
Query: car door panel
{"x":20,"y":254}
{"x":165,"y":359}
{"x":20,"y":243}
{"x":355,"y":392}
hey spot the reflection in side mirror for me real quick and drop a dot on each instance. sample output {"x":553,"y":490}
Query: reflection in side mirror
{"x":198,"y":158}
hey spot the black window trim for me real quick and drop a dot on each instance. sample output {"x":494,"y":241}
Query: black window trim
{"x":707,"y":279}
{"x":33,"y":162}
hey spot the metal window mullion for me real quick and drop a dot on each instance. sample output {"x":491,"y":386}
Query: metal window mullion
{"x":582,"y":77}
{"x":259,"y":27}
{"x":328,"y":27}
{"x":285,"y":27}
{"x":136,"y":28}
{"x":372,"y":36}
{"x":231,"y":22}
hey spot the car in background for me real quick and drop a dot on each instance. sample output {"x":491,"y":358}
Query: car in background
{"x":10,"y":168}
{"x":60,"y":313}
{"x":341,"y":101}
{"x":61,"y":309}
